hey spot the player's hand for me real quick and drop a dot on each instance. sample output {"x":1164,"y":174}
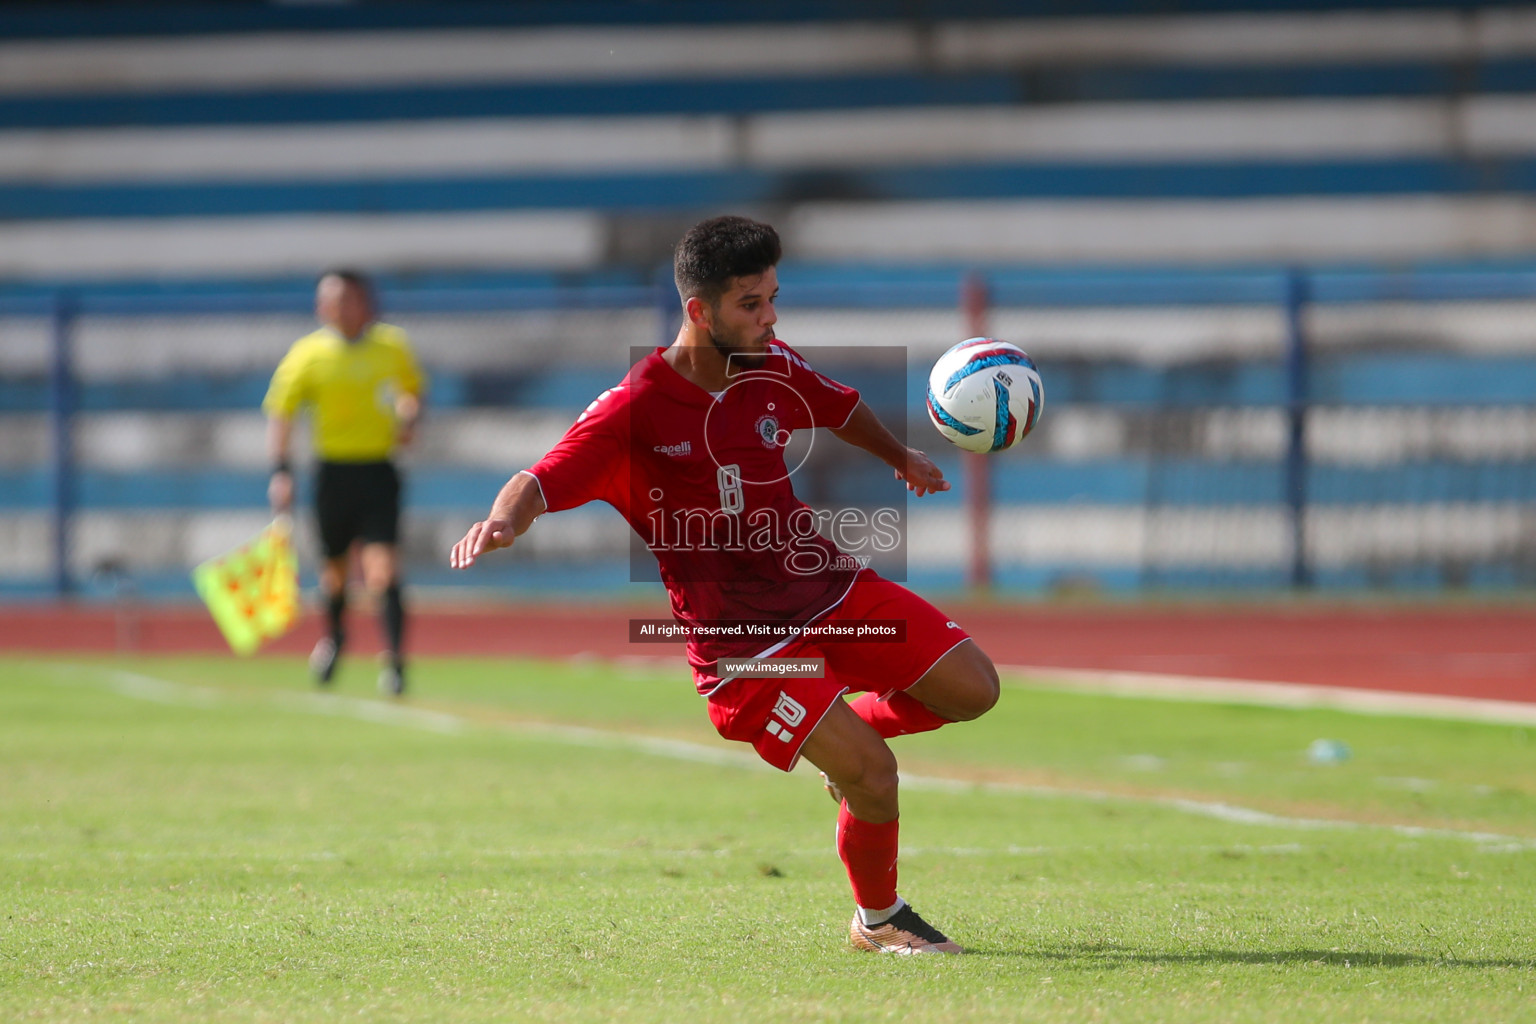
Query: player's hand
{"x":921,"y":475}
{"x":280,"y":492}
{"x":487,"y":535}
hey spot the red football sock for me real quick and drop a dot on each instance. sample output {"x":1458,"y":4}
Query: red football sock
{"x":901,"y":715}
{"x":869,"y":853}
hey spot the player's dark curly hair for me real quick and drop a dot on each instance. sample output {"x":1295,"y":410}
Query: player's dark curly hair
{"x":718,"y":249}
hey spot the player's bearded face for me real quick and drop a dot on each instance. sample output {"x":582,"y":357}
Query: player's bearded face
{"x":742,"y":321}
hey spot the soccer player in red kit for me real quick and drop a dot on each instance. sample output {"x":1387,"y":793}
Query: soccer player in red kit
{"x":689,"y":448}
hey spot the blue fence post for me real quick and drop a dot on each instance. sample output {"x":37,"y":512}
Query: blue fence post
{"x":1297,"y":295}
{"x":667,"y":315}
{"x":62,"y":407}
{"x":976,"y":469}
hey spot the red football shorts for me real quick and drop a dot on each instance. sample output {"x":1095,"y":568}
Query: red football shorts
{"x":775,"y":715}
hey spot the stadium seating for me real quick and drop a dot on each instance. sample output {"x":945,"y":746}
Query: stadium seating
{"x":516,"y":173}
{"x":1263,"y":131}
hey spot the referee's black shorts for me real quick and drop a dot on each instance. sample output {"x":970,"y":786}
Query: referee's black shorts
{"x":356,"y":501}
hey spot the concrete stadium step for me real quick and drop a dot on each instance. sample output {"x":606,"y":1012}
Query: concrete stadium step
{"x":357,"y":46}
{"x":1460,"y":127}
{"x":738,"y":96}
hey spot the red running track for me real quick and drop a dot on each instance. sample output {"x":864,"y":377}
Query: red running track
{"x":1466,"y":652}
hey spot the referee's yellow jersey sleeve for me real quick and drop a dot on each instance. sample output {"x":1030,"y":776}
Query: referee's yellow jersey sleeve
{"x":290,"y":382}
{"x":411,"y":379}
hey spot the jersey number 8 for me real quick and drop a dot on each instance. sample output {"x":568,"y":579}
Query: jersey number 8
{"x":728,"y":479}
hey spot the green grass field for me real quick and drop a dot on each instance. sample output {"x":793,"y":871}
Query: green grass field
{"x":199,"y":839}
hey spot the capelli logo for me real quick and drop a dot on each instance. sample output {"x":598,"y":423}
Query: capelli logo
{"x":675,"y":450}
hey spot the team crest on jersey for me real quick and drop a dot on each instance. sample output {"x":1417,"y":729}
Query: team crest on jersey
{"x":768,"y":430}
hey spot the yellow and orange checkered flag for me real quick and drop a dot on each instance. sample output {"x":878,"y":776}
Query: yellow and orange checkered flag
{"x":253,"y":591}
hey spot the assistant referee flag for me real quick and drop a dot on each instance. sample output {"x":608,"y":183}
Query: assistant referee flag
{"x":253,"y":591}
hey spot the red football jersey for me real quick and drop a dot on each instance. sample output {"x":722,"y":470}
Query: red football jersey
{"x":702,"y":479}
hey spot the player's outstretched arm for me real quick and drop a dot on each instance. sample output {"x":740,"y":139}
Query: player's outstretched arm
{"x":516,"y":507}
{"x":864,"y":430}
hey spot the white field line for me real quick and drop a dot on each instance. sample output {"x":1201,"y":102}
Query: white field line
{"x":131,"y":684}
{"x":162,"y":691}
{"x":1300,"y":696}
{"x":1211,"y":809}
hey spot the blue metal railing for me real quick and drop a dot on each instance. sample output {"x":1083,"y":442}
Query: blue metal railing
{"x":1296,"y":383}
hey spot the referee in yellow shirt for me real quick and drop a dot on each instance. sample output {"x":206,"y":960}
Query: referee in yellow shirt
{"x":363,"y":387}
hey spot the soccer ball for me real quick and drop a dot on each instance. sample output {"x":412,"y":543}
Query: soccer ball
{"x":984,"y":395}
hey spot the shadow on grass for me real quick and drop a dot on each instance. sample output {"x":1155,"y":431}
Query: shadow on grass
{"x":1106,"y":955}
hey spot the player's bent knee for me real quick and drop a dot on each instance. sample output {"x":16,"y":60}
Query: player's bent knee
{"x":874,"y":784}
{"x":878,"y":775}
{"x":985,"y":687}
{"x":969,"y":684}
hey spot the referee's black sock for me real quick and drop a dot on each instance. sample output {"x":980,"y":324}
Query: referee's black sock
{"x":394,"y":620}
{"x":335,"y":613}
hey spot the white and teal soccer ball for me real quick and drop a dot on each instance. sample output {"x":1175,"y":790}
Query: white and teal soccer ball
{"x":985,"y":395}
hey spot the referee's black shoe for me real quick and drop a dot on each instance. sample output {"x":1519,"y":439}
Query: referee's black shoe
{"x":323,"y":659}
